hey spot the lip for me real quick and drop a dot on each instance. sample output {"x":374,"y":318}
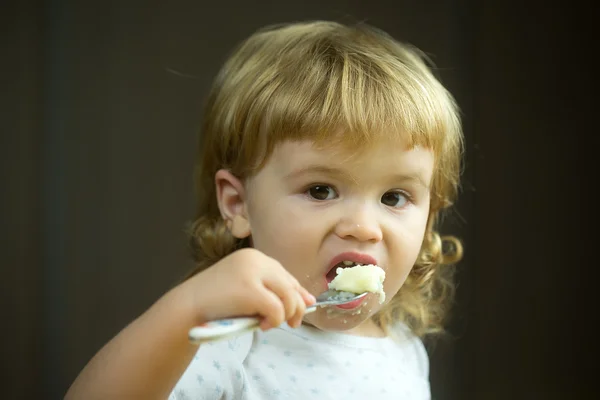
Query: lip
{"x":352,"y":304}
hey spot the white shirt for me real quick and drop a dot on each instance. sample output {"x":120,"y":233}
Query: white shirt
{"x":306,"y":363}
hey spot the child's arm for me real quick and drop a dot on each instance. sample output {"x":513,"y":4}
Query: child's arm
{"x":147,"y":358}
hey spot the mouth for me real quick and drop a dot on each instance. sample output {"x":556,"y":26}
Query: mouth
{"x":351,"y":305}
{"x":347,"y":260}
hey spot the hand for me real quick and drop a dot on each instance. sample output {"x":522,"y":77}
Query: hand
{"x":248,"y":283}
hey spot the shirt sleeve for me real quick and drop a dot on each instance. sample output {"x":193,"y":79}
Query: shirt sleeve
{"x":216,"y":371}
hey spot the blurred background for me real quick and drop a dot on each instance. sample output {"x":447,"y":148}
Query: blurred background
{"x":100,"y":109}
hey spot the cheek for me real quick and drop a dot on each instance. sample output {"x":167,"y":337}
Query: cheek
{"x":292,"y":238}
{"x":404,"y":253}
{"x":282,"y":232}
{"x":396,"y":277}
{"x":407,"y":238}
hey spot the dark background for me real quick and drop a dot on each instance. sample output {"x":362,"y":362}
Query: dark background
{"x":101,"y":104}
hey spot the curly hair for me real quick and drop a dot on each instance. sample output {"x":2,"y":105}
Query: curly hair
{"x":312,"y":80}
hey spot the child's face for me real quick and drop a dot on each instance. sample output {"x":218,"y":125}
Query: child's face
{"x":308,"y":206}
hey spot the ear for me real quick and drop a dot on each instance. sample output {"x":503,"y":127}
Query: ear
{"x":231,"y":199}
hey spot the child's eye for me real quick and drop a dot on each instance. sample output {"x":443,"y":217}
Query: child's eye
{"x":395,"y":199}
{"x":322,"y":192}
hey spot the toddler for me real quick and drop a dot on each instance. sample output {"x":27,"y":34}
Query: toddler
{"x":323,"y":145}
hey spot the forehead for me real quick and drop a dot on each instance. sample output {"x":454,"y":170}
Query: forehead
{"x":375,"y":158}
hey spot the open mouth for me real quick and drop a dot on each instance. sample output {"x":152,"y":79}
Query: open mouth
{"x":343,"y":264}
{"x":358,"y":276}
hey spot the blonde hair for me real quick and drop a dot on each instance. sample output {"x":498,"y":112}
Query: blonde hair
{"x":312,"y":80}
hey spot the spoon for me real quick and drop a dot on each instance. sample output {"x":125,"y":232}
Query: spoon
{"x":225,"y":328}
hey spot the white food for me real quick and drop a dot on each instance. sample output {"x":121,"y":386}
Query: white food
{"x":360,"y":279}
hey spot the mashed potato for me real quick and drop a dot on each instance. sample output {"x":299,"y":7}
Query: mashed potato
{"x":360,"y":279}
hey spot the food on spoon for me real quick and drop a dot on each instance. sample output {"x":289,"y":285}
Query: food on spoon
{"x":360,"y":279}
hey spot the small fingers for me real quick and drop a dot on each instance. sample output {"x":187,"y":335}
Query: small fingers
{"x":286,"y":287}
{"x":308,"y":298}
{"x":271,"y":308}
{"x":298,"y":315}
{"x":292,"y":298}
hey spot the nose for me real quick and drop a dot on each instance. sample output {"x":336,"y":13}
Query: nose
{"x":359,"y":223}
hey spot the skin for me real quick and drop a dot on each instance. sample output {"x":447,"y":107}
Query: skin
{"x":374,"y":202}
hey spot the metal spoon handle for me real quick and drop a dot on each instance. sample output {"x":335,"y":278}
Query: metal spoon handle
{"x":230,"y":327}
{"x":226,"y":328}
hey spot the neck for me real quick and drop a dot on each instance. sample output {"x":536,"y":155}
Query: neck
{"x":368,"y":329}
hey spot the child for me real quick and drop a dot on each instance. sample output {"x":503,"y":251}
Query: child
{"x":322,"y":143}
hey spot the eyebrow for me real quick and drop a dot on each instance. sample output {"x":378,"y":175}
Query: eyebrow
{"x":414,"y":177}
{"x":320,"y":169}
